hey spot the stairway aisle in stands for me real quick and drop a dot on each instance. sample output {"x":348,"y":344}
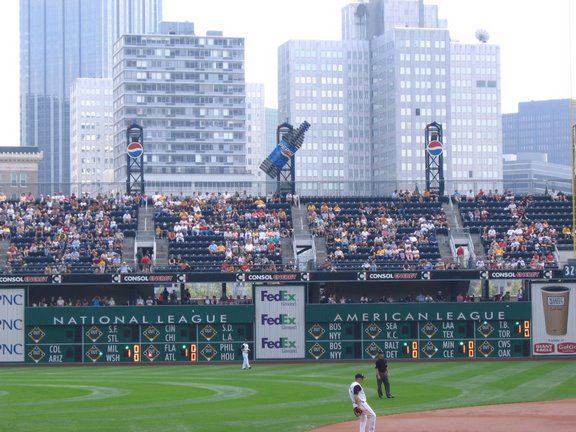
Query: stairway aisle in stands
{"x":4,"y":245}
{"x":146,"y":220}
{"x":444,"y":247}
{"x":128,"y":253}
{"x":302,"y":236}
{"x":454,"y":223}
{"x":300,"y":221}
{"x":161,"y":252}
{"x":452,"y":216}
{"x":287,"y":246}
{"x":478,"y":246}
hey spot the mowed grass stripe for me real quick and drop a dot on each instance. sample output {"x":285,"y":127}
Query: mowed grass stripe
{"x":541,"y":384}
{"x":270,"y":397}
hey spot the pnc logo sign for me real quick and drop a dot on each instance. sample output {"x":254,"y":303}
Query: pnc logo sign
{"x":281,"y":296}
{"x":281,"y":319}
{"x":282,"y":343}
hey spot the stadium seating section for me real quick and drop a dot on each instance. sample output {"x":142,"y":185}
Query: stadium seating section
{"x":383,"y":233}
{"x":519,"y":232}
{"x":233,"y":232}
{"x":67,"y":234}
{"x":223,"y":232}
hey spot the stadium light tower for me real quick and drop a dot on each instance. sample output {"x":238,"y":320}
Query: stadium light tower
{"x":573,"y":144}
{"x":434,"y":153}
{"x":134,"y":159}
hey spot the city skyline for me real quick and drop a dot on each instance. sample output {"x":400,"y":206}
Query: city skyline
{"x":521,"y":41}
{"x":59,"y":42}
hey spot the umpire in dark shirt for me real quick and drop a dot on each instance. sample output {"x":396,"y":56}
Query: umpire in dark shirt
{"x":382,"y":376}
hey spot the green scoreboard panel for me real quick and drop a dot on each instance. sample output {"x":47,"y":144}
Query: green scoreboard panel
{"x":437,"y":331}
{"x":196,"y":334}
{"x":164,"y":337}
{"x":503,"y":339}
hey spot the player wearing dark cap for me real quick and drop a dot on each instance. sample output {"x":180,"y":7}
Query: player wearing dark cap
{"x":360,"y":405}
{"x":382,"y":376}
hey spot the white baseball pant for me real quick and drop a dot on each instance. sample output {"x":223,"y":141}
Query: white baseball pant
{"x":245,"y":363}
{"x":368,"y":418}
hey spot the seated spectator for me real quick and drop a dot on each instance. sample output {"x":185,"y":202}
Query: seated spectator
{"x":124,"y":268}
{"x":338,"y":254}
{"x":213,"y":248}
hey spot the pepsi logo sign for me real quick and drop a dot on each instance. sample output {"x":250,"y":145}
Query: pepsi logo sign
{"x":434,"y":148}
{"x":135,"y":150}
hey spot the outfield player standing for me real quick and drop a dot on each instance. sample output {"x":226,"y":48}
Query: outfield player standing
{"x":245,"y":350}
{"x":382,"y":376}
{"x":358,"y":398}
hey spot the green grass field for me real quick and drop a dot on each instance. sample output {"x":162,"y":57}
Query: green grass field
{"x":268,"y":398}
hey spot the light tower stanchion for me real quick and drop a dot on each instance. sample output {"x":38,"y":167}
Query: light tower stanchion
{"x":573,"y":146}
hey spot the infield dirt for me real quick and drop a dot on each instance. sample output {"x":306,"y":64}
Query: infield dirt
{"x":556,"y":416}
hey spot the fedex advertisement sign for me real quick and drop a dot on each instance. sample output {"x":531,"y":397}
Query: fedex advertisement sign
{"x":282,"y":343}
{"x":282,"y":319}
{"x":281,"y":296}
{"x":280,"y":322}
{"x":12,"y":325}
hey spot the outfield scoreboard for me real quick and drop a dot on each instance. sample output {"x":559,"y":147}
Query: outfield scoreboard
{"x":408,"y":331}
{"x":124,"y":335}
{"x":202,"y":334}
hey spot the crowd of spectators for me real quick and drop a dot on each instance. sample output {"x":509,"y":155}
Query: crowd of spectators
{"x":237,"y":232}
{"x":380,"y":232}
{"x":61,"y":302}
{"x":427,"y":297}
{"x":165,"y":297}
{"x":513,"y":237}
{"x":62,"y":234}
{"x":244,"y":232}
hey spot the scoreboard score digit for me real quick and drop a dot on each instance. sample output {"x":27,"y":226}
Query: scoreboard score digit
{"x":133,"y":352}
{"x":188,"y":352}
{"x":191,"y":352}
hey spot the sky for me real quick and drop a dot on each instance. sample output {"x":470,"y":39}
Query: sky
{"x":534,"y":38}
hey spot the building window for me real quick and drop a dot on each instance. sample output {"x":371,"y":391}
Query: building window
{"x":14,"y":179}
{"x":23,"y":179}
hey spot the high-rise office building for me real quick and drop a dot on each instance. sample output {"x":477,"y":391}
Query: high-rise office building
{"x":188,"y":92}
{"x":475,"y":127}
{"x":412,"y":74}
{"x":59,"y":42}
{"x":91,"y":135}
{"x":327,"y":83}
{"x":531,"y":173}
{"x":255,"y":130}
{"x":272,"y":123}
{"x":540,"y":127}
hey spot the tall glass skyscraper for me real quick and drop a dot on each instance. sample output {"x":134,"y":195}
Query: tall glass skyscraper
{"x":59,"y":42}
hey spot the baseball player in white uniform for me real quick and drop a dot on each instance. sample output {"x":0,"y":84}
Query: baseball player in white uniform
{"x":358,"y":398}
{"x":245,"y":351}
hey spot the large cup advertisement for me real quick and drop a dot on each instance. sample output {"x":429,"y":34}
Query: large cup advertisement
{"x":12,"y":325}
{"x":554,"y":318}
{"x":280,"y":322}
